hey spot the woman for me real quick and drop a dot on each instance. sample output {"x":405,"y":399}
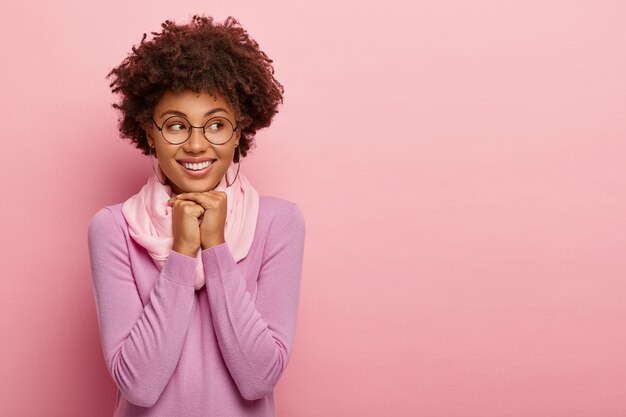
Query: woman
{"x":196,"y":277}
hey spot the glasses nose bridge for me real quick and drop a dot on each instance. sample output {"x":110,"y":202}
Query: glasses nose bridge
{"x":203,"y":137}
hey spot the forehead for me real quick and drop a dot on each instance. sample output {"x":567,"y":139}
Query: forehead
{"x":191,"y":103}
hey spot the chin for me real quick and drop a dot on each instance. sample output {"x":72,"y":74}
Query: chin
{"x":198,"y":186}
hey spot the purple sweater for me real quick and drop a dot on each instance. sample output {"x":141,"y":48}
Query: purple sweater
{"x":219,"y":351}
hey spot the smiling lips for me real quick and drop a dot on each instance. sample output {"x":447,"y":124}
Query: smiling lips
{"x":197,"y":169}
{"x":197,"y":166}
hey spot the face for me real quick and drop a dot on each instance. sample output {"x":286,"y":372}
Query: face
{"x":198,"y":108}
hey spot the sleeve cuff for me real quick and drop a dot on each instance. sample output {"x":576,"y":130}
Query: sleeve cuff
{"x":180,"y":268}
{"x":217,"y":260}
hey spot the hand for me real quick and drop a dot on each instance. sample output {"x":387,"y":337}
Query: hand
{"x":213,"y":219}
{"x":186,"y":217}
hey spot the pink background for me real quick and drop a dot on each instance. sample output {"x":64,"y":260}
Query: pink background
{"x":460,"y":166}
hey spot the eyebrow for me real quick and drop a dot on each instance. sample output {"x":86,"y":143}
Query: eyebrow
{"x":180,"y":113}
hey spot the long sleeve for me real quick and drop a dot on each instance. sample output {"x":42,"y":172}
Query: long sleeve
{"x":141,"y":344}
{"x":255,"y":336}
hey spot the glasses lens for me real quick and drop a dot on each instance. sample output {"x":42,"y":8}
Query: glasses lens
{"x":176,"y":130}
{"x":218,"y":130}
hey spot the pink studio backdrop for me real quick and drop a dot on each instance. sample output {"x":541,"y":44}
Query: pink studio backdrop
{"x":460,"y":166}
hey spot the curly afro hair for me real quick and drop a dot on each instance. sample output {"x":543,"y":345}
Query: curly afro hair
{"x":201,"y":56}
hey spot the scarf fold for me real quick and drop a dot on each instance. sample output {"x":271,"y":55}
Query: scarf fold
{"x":150,"y":219}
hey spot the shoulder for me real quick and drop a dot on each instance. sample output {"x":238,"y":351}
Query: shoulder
{"x":108,"y":219}
{"x":276,"y":209}
{"x":281,"y":217}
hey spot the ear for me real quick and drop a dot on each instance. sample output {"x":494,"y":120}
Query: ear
{"x":238,"y":137}
{"x":149,"y":137}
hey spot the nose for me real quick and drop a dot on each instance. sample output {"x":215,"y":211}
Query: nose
{"x":196,"y":143}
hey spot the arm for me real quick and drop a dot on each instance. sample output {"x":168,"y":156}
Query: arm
{"x":255,"y":336}
{"x":141,"y":345}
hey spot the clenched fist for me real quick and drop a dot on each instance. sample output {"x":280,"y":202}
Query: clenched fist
{"x":198,"y":220}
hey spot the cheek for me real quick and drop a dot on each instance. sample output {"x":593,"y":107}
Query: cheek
{"x":227,"y":154}
{"x":165,"y":156}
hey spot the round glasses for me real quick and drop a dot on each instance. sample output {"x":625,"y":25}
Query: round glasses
{"x":177,"y":129}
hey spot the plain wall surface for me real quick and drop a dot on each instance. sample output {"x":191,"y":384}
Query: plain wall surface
{"x":460,"y":166}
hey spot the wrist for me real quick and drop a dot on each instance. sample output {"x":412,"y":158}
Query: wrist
{"x":212,"y":242}
{"x":185,"y":250}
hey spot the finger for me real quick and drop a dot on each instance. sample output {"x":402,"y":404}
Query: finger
{"x":208,"y":200}
{"x":171,"y":200}
{"x":189,"y":208}
{"x":181,"y":203}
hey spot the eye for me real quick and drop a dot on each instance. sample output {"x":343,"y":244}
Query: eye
{"x":175,"y":126}
{"x":215,"y":125}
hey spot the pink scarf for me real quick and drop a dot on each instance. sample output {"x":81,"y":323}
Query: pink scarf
{"x":150,"y":219}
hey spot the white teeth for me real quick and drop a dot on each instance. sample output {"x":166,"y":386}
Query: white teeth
{"x":196,"y":167}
